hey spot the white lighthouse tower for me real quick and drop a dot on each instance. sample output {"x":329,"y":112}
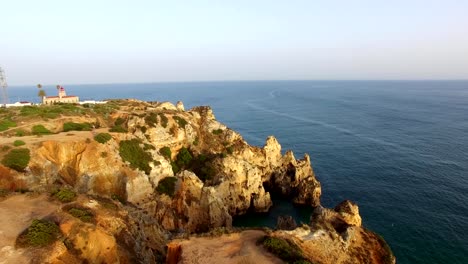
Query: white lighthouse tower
{"x":61,"y":93}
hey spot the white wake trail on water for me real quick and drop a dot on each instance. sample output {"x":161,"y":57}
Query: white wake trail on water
{"x":272,"y":95}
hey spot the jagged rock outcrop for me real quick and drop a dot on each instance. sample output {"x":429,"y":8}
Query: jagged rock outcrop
{"x":286,"y":222}
{"x":336,"y":236}
{"x":193,"y":207}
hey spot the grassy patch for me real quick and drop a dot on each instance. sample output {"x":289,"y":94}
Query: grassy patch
{"x":17,"y":159}
{"x":119,"y":121}
{"x":151,"y":119}
{"x":82,"y":214}
{"x":218,"y":131}
{"x":6,"y":124}
{"x":147,"y":146}
{"x":40,"y":130}
{"x":201,"y":165}
{"x":132,"y":152}
{"x":71,"y":126}
{"x":118,"y":129}
{"x":20,"y":133}
{"x":164,"y":120}
{"x":18,"y":143}
{"x":167,"y":186}
{"x":102,"y":137}
{"x":230,"y":149}
{"x":51,"y":111}
{"x":39,"y":233}
{"x":166,"y":152}
{"x":180,"y":121}
{"x":5,"y":148}
{"x":183,"y":160}
{"x":65,"y":195}
{"x":283,"y":249}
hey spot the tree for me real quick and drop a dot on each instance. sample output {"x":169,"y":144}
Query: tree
{"x":39,"y":86}
{"x":41,"y":93}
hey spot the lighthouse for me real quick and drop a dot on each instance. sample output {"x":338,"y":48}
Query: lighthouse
{"x":62,"y":93}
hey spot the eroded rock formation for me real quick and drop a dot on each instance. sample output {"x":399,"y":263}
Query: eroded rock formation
{"x":215,"y":174}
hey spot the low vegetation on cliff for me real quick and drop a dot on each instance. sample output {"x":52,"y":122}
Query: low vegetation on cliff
{"x":64,"y":195}
{"x":102,"y":137}
{"x":284,"y":249}
{"x":132,"y":152}
{"x":39,"y":233}
{"x":17,"y":159}
{"x":40,"y":130}
{"x":167,"y":186}
{"x":82,"y":214}
{"x":6,"y":124}
{"x":71,"y":126}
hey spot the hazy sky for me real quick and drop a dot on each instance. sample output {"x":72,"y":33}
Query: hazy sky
{"x":100,"y":41}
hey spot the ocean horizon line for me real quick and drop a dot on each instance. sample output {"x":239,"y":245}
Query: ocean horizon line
{"x":244,"y":81}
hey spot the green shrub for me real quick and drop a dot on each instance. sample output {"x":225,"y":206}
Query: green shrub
{"x":180,"y":121}
{"x":218,"y":131}
{"x":102,"y":137}
{"x":40,"y":130}
{"x":201,"y":165}
{"x":118,"y":129}
{"x":230,"y":149}
{"x":71,"y":126}
{"x":20,"y":133}
{"x":166,"y":152}
{"x":138,"y":158}
{"x":39,"y":233}
{"x":283,"y":249}
{"x":151,"y":119}
{"x":175,"y":167}
{"x":147,"y":146}
{"x":82,"y":214}
{"x":103,"y":154}
{"x":65,"y":195}
{"x":195,"y":142}
{"x":6,"y":124}
{"x":18,"y":143}
{"x":119,"y":198}
{"x":183,"y":158}
{"x":164,"y":120}
{"x":119,"y":121}
{"x":167,"y":186}
{"x":5,"y":148}
{"x":17,"y":159}
{"x":143,"y":129}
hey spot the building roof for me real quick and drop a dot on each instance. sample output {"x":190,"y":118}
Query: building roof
{"x":68,"y":96}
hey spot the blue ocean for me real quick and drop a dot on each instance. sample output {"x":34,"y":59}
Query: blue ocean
{"x":397,"y":148}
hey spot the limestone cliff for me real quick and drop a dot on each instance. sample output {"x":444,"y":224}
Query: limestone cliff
{"x":174,"y":170}
{"x":239,"y":173}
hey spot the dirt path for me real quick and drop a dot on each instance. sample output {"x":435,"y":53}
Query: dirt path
{"x":17,"y":213}
{"x":238,"y":248}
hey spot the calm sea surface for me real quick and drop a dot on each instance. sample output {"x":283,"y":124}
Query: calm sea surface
{"x":397,"y":148}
